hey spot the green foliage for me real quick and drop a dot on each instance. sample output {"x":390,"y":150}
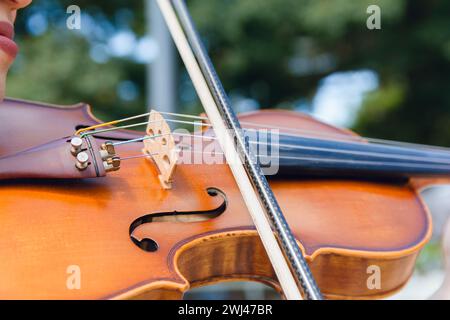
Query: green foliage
{"x":430,"y":257}
{"x":411,"y":57}
{"x":253,"y":43}
{"x":53,"y":69}
{"x":56,"y":66}
{"x":273,"y":51}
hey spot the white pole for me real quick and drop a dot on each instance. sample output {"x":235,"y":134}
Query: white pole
{"x":161,"y":80}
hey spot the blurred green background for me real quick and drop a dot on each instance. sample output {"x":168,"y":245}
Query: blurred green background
{"x":389,"y":83}
{"x":315,"y":56}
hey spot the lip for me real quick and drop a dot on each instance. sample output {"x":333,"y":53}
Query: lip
{"x":7,"y":43}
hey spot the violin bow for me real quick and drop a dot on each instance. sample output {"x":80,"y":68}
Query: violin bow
{"x":290,"y":266}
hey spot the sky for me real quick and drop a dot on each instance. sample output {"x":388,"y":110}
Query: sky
{"x":340,"y":96}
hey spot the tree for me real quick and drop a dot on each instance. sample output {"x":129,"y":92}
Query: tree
{"x":254,"y":45}
{"x":273,"y":51}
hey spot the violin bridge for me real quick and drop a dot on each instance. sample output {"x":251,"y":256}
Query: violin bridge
{"x":161,"y":148}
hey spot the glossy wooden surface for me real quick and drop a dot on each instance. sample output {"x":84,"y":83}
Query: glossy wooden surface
{"x":46,"y":226}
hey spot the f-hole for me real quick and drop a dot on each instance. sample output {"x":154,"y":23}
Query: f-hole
{"x":150,"y":245}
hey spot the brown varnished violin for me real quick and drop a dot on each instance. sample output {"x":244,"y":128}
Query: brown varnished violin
{"x":132,"y":238}
{"x":95,"y":210}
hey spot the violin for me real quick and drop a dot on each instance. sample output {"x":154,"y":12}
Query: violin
{"x":93,"y":210}
{"x":132,"y":238}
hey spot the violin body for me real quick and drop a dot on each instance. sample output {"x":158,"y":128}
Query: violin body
{"x":132,"y":239}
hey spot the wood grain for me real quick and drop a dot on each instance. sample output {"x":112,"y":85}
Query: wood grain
{"x":342,"y":226}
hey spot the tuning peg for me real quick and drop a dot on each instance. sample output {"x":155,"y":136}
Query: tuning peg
{"x":76,"y":144}
{"x":82,"y":160}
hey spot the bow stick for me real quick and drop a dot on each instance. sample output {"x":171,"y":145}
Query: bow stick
{"x":284,"y":253}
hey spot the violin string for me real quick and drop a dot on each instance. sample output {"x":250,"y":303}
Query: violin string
{"x":309,"y":158}
{"x":189,"y":122}
{"x":291,"y":146}
{"x":147,"y":137}
{"x":356,"y":152}
{"x":183,"y":115}
{"x":321,"y":159}
{"x":110,"y":123}
{"x":139,"y":156}
{"x":354,"y":139}
{"x":369,"y":162}
{"x":312,"y":133}
{"x":86,"y":133}
{"x":343,"y":161}
{"x":300,"y":147}
{"x":194,"y":136}
{"x":149,"y":155}
{"x":429,"y":159}
{"x":203,"y":152}
{"x":140,"y":139}
{"x":316,"y":160}
{"x":83,"y":134}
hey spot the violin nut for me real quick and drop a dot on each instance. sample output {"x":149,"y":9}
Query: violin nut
{"x":76,"y":145}
{"x":82,"y":161}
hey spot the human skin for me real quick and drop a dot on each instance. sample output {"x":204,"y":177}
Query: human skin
{"x":8,"y":49}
